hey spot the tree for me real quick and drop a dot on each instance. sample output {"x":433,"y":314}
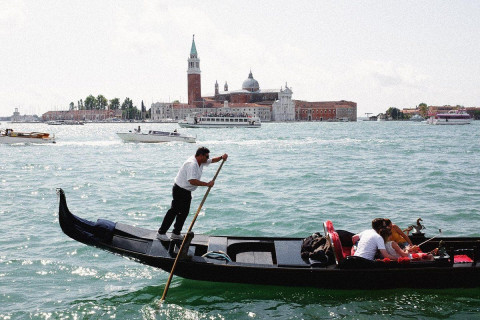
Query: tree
{"x":144,"y":110}
{"x":423,"y":109}
{"x":90,"y":102}
{"x":114,"y":104}
{"x":102,"y":102}
{"x":127,"y":103}
{"x":72,"y":106}
{"x":80,"y":105}
{"x":394,"y":113}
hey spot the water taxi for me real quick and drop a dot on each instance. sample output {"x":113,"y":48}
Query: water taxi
{"x":9,"y":136}
{"x":450,"y":118}
{"x":153,"y":136}
{"x":220,"y":121}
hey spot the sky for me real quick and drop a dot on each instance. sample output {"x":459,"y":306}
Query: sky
{"x":380,"y":54}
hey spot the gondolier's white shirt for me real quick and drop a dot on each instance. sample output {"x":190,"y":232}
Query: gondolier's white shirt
{"x":370,"y":241}
{"x":190,"y":170}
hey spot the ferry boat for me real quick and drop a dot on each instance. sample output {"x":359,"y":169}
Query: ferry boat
{"x":154,"y":136}
{"x":220,"y":121}
{"x":9,"y":136}
{"x":450,"y":118}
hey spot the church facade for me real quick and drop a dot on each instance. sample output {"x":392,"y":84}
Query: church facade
{"x":267,"y":104}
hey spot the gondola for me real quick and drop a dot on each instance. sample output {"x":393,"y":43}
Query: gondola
{"x":278,"y":261}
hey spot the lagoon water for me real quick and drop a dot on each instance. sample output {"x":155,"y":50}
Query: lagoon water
{"x":283,"y":179}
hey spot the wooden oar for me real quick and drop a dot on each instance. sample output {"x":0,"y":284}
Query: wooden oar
{"x":439,"y":233}
{"x":184,"y":238}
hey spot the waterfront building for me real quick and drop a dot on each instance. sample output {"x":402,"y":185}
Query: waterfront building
{"x":17,"y":117}
{"x":268,"y":105}
{"x":82,"y":115}
{"x":326,"y":110}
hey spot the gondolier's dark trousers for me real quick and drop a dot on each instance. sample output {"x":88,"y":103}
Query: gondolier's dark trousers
{"x":178,"y":211}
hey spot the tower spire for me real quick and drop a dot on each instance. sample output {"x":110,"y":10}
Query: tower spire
{"x":193,"y":50}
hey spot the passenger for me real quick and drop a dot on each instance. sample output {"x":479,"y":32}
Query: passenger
{"x":398,"y":236}
{"x":394,"y":249}
{"x":369,"y":241}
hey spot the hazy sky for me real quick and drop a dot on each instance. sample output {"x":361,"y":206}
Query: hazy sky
{"x":379,"y":54}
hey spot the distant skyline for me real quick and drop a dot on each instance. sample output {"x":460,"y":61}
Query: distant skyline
{"x":379,"y":54}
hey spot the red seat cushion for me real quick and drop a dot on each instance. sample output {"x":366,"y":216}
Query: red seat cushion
{"x":462,"y":258}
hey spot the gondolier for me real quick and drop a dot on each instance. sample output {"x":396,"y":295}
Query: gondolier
{"x":186,"y":181}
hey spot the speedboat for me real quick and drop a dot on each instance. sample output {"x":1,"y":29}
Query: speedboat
{"x":153,"y":136}
{"x":416,"y":117}
{"x":9,"y":136}
{"x":279,"y":261}
{"x":220,"y":121}
{"x":450,"y":118}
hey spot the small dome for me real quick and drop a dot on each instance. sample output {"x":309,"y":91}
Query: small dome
{"x":250,"y":84}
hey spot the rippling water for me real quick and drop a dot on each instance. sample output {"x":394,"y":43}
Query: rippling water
{"x":281,"y":179}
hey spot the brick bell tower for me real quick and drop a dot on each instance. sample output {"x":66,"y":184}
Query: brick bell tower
{"x":193,"y":75}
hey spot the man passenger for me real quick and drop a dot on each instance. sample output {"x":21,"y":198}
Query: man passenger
{"x":369,"y":241}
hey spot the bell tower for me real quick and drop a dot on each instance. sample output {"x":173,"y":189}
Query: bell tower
{"x":193,"y":76}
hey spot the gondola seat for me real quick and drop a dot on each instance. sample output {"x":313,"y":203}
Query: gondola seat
{"x":288,"y":253}
{"x":217,"y":244}
{"x":339,"y":251}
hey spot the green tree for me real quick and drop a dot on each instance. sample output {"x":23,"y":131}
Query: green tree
{"x":476,"y":114}
{"x":394,"y":113}
{"x":143,"y":111}
{"x":72,"y":106}
{"x":114,"y":104}
{"x":102,"y":102}
{"x":127,"y":104}
{"x":423,"y":108}
{"x":90,"y":102}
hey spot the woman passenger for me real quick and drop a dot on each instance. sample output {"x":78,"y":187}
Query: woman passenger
{"x":398,"y":235}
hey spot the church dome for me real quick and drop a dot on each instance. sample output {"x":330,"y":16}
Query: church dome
{"x":250,"y":84}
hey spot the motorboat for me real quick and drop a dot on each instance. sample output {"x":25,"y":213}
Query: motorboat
{"x":452,"y":117}
{"x":153,"y":136}
{"x":65,"y":122}
{"x":278,"y":261}
{"x":417,"y":117}
{"x":10,"y":136}
{"x":220,"y":121}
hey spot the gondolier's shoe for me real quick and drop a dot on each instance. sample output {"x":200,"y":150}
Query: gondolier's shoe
{"x":175,"y":236}
{"x":162,"y":237}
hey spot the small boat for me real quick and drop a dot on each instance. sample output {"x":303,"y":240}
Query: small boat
{"x":153,"y":136}
{"x":220,"y":121}
{"x":64,"y":122}
{"x":417,"y":118}
{"x":278,"y":261}
{"x":452,"y":117}
{"x":9,"y":136}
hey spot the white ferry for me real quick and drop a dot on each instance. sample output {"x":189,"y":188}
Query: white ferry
{"x":450,"y":118}
{"x":220,"y":121}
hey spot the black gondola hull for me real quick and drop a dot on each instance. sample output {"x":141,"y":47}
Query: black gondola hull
{"x":270,"y":261}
